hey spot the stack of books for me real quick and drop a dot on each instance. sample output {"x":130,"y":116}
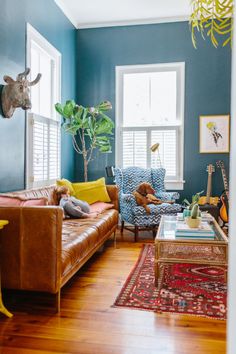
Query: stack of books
{"x":204,"y":231}
{"x":205,"y":216}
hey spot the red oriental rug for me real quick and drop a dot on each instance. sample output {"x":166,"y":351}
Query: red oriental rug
{"x":190,"y":289}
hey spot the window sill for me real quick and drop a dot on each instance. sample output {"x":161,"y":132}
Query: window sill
{"x":174,"y":185}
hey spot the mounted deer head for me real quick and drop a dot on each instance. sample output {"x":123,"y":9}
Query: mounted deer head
{"x":16,"y":93}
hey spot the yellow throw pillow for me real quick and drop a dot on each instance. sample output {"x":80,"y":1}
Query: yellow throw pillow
{"x":92,"y":192}
{"x":65,"y":182}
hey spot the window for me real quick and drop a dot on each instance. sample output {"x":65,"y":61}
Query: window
{"x":149,"y":110}
{"x":43,"y":123}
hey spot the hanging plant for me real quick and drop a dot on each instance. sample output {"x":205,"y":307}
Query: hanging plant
{"x":213,"y":18}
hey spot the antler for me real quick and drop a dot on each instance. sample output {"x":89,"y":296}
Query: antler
{"x":23,"y":75}
{"x":34,"y":82}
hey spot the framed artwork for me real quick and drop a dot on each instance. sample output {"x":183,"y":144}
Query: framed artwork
{"x":214,"y":134}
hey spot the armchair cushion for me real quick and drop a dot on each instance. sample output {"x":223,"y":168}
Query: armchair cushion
{"x":128,"y":199}
{"x":133,"y":176}
{"x":158,"y":179}
{"x":167,"y":195}
{"x":161,"y":209}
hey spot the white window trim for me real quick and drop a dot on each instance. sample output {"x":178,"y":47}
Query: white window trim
{"x":33,"y":35}
{"x":128,"y":69}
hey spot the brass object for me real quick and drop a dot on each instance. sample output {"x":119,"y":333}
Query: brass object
{"x":155,"y":148}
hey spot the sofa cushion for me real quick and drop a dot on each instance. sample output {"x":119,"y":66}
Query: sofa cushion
{"x":66,"y":183}
{"x":11,"y":200}
{"x":99,"y":207}
{"x":77,"y":242}
{"x":81,"y":236}
{"x":35,"y":202}
{"x":92,"y":192}
{"x":47,"y":191}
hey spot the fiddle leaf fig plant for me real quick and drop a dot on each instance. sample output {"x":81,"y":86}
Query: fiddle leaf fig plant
{"x":89,"y":127}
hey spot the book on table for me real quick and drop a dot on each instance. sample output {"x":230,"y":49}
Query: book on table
{"x":203,"y":231}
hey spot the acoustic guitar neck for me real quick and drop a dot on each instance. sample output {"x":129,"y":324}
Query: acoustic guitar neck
{"x":221,"y":165}
{"x":208,"y":199}
{"x":225,"y":181}
{"x":224,"y":209}
{"x":209,"y":187}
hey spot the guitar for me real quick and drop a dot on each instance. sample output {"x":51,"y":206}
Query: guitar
{"x":224,"y":209}
{"x":208,"y":199}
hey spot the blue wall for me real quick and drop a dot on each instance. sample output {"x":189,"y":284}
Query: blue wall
{"x":47,"y":18}
{"x":207,"y":83}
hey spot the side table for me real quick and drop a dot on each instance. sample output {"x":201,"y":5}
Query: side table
{"x":2,"y":307}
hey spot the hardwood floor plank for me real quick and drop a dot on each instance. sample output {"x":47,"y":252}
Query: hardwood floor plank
{"x":89,"y":324}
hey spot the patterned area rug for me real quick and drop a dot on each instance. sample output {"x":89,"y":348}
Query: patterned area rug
{"x":191,"y":289}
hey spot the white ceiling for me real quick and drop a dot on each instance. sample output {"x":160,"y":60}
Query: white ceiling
{"x":104,"y":13}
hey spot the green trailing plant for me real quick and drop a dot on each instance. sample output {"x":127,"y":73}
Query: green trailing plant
{"x":195,"y":211}
{"x":213,"y":18}
{"x":195,"y":200}
{"x":89,"y":127}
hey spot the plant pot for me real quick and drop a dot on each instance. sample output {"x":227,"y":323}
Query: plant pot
{"x":193,"y":223}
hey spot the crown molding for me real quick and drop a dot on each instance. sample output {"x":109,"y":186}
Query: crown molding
{"x":133,"y":22}
{"x":67,"y":12}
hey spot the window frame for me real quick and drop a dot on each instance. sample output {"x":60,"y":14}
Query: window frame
{"x":33,"y":35}
{"x":179,"y":67}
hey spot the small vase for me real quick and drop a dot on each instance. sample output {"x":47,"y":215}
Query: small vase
{"x":193,"y":223}
{"x":186,"y":213}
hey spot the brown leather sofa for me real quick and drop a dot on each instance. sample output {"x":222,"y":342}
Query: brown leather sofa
{"x":40,"y":251}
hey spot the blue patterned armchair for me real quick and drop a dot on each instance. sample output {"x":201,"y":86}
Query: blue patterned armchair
{"x":128,"y":180}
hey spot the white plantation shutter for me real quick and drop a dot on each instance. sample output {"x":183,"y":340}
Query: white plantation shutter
{"x":54,"y":150}
{"x":45,"y":152}
{"x":150,"y":110}
{"x":43,"y":124}
{"x":40,"y":150}
{"x":134,"y":148}
{"x":167,"y":150}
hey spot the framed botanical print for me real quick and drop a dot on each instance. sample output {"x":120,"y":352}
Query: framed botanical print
{"x":214,"y":134}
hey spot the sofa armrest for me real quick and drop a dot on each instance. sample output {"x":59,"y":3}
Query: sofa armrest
{"x":112,"y":191}
{"x":31,"y":248}
{"x":168,"y":196}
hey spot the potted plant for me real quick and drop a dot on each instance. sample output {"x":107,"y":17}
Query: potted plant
{"x":195,"y":200}
{"x":89,"y":127}
{"x":194,"y":219}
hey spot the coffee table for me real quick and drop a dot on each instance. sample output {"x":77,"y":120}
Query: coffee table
{"x":169,"y":249}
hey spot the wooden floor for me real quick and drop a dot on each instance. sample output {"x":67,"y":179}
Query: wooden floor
{"x":88,"y":324}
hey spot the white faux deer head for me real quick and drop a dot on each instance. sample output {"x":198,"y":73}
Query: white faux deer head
{"x":16,"y":93}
